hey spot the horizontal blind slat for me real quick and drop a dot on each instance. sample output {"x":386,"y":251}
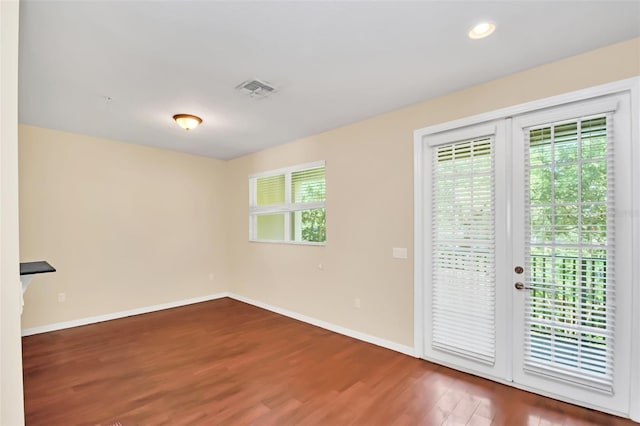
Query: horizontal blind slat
{"x":463,"y":249}
{"x":569,"y":312}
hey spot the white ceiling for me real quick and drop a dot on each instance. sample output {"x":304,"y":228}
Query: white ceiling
{"x":333,"y":62}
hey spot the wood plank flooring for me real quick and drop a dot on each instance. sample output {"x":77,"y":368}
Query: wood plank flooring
{"x":228,"y":363}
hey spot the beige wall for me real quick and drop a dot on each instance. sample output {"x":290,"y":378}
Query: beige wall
{"x":11,"y":402}
{"x":130,"y":226}
{"x":125,"y":226}
{"x":370,"y":201}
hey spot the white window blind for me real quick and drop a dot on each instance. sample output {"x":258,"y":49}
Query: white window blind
{"x":463,"y":249}
{"x":569,"y":247}
{"x":288,"y":205}
{"x":308,"y":185}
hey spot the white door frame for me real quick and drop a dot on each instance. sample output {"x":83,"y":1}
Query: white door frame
{"x":631,"y":86}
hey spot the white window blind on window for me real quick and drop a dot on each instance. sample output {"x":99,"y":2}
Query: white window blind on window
{"x":308,"y":185}
{"x":463,"y":249}
{"x":270,"y":190}
{"x":569,"y":251}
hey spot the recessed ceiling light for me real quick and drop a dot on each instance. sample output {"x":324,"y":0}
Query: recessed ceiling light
{"x":482,"y":30}
{"x":187,"y":121}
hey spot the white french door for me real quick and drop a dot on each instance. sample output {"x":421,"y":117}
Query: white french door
{"x":527,"y":251}
{"x":465,"y":245}
{"x":572,"y":237}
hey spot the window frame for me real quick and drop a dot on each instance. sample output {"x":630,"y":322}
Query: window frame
{"x":288,"y":208}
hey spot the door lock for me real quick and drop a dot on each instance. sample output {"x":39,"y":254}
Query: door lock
{"x":521,"y":286}
{"x":518,"y":269}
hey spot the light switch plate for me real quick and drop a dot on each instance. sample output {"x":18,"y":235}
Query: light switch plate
{"x":400,"y":252}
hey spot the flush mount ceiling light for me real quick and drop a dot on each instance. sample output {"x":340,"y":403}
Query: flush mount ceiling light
{"x":187,"y":121}
{"x":482,"y":30}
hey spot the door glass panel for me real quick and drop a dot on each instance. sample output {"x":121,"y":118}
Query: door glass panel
{"x":270,"y":227}
{"x":463,"y":292}
{"x":569,"y":307}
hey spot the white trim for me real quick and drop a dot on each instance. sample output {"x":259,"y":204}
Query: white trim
{"x":288,"y":201}
{"x":285,"y":170}
{"x":253,"y":225}
{"x":634,"y":397}
{"x":285,"y":208}
{"x":465,"y":133}
{"x":295,"y":243}
{"x":578,"y":95}
{"x":510,"y":232}
{"x":120,"y":314}
{"x":418,"y":255}
{"x":584,"y":109}
{"x":407,"y":350}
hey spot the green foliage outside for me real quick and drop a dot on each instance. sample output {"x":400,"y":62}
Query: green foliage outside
{"x":314,"y":225}
{"x":568,"y":219}
{"x":314,"y":222}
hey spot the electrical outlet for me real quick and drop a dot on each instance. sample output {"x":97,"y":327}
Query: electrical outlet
{"x":356,"y":303}
{"x":211,"y":276}
{"x":61,"y":297}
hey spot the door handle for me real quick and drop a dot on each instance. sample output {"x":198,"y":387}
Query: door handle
{"x":521,"y":286}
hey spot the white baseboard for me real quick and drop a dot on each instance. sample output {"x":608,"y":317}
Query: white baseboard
{"x":407,"y":350}
{"x":121,"y":314}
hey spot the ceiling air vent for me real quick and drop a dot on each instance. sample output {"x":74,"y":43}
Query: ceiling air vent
{"x":256,"y":88}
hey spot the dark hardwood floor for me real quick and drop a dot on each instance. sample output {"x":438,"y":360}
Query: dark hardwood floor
{"x":228,"y":363}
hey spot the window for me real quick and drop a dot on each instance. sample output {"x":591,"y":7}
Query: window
{"x":288,"y":205}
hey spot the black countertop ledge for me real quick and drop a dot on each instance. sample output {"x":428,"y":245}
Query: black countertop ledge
{"x":30,"y":268}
